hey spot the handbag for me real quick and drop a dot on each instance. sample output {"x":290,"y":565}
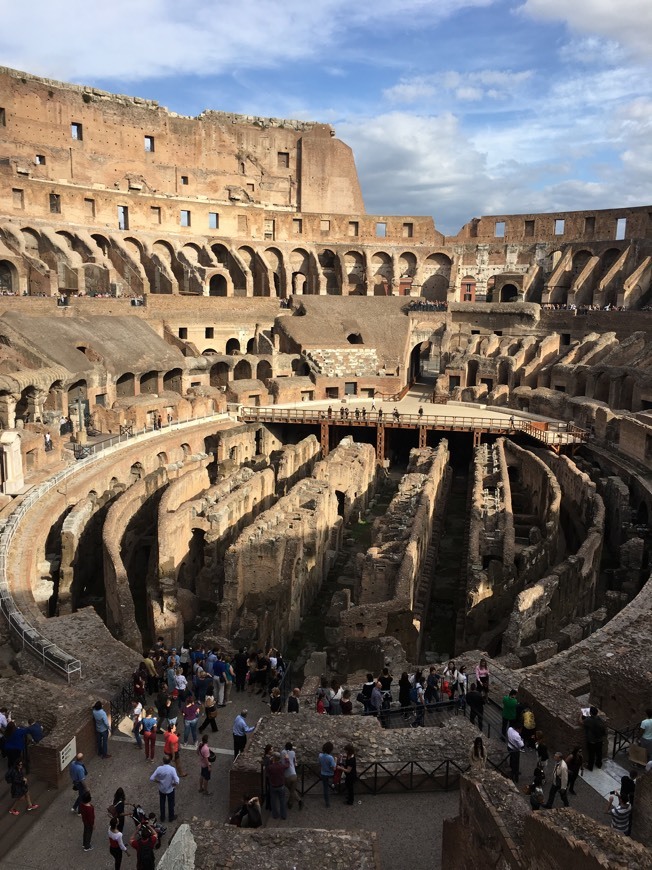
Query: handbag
{"x":212,"y":757}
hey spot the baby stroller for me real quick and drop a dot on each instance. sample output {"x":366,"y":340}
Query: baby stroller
{"x":140,"y":817}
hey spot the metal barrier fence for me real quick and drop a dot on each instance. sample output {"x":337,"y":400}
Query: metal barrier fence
{"x":30,"y":637}
{"x":121,"y":705}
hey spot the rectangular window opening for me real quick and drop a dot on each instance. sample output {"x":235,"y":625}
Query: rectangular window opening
{"x":213,"y":220}
{"x":499,"y":230}
{"x":354,"y":228}
{"x":381,"y":229}
{"x":209,"y":332}
{"x":18,"y":198}
{"x":250,"y":187}
{"x":155,"y":214}
{"x":621,"y":228}
{"x":183,"y":332}
{"x":297,"y":226}
{"x":408,"y":231}
{"x":529,"y":229}
{"x":242,"y":223}
{"x":184,"y":179}
{"x":559,"y":226}
{"x":283,"y":159}
{"x":184,"y":217}
{"x":89,"y":207}
{"x":3,"y":118}
{"x":589,"y":226}
{"x":325,"y":226}
{"x":270,"y":230}
{"x":149,"y":144}
{"x":76,"y":131}
{"x":123,"y":217}
{"x":55,"y":203}
{"x":40,"y":160}
{"x":350,"y":388}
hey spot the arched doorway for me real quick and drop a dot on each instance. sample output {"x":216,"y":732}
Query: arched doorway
{"x":233,"y":346}
{"x":420,"y":355}
{"x":219,"y":374}
{"x":509,"y":293}
{"x":8,"y":280}
{"x":217,"y":286}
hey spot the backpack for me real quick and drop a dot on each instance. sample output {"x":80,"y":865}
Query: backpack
{"x":528,"y":720}
{"x":146,"y":855}
{"x":414,"y":695}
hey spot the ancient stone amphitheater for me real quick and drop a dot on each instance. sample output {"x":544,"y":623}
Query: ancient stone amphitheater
{"x":236,"y":406}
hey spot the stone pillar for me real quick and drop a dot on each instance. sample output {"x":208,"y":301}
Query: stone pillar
{"x":11,"y":473}
{"x":8,"y":403}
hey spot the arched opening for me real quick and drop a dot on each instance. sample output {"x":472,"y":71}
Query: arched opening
{"x":233,"y":346}
{"x":263,"y":370}
{"x":356,"y":276}
{"x":172,"y":381}
{"x":420,"y":355}
{"x":251,"y":345}
{"x":233,"y":266}
{"x":601,"y":393}
{"x":209,"y":351}
{"x":102,"y":243}
{"x":642,"y":515}
{"x":300,"y":367}
{"x":162,"y":459}
{"x":219,"y":374}
{"x":503,"y":373}
{"x":149,"y":383}
{"x":125,"y":385}
{"x":136,"y":472}
{"x":185,"y":449}
{"x":330,"y":270}
{"x":381,"y":266}
{"x":242,"y":371}
{"x":580,"y":259}
{"x":354,"y":338}
{"x":217,"y":285}
{"x":341,"y":502}
{"x":8,"y":278}
{"x":300,"y":265}
{"x":472,"y":373}
{"x":509,"y":293}
{"x":437,"y":275}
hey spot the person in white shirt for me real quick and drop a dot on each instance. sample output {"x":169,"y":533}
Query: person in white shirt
{"x":646,"y":734}
{"x":288,"y":754}
{"x":559,"y":781}
{"x":4,"y":718}
{"x":515,"y":746}
{"x":116,"y":844}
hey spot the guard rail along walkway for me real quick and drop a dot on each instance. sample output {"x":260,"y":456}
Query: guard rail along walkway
{"x":30,"y":637}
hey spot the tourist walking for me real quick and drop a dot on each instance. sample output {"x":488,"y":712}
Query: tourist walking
{"x":166,"y":777}
{"x":78,"y":774}
{"x":210,"y":713}
{"x":515,"y":746}
{"x":204,"y":752}
{"x":87,"y":813}
{"x":276,"y":770}
{"x":19,"y":789}
{"x":116,"y":844}
{"x":595,"y":731}
{"x":289,"y":758}
{"x":482,"y":677}
{"x":101,"y":730}
{"x":171,"y":748}
{"x":509,"y":711}
{"x":475,"y":701}
{"x":190,"y":715}
{"x":149,"y":726}
{"x":575,"y":764}
{"x":240,"y":731}
{"x":349,"y":769}
{"x":327,"y":766}
{"x":559,"y":781}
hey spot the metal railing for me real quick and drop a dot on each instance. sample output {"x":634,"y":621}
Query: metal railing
{"x":624,"y":737}
{"x":541,"y":430}
{"x":389,"y":777}
{"x":121,"y":705}
{"x":30,"y":637}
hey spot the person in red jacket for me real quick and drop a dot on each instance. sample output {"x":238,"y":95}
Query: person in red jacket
{"x":171,"y":748}
{"x":87,"y":813}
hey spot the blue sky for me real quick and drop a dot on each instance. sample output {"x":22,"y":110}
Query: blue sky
{"x":454,"y":108}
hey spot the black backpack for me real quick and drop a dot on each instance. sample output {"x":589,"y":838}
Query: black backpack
{"x":146,"y":855}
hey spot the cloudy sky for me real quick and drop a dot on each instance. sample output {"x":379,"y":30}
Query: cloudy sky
{"x":454,"y":108}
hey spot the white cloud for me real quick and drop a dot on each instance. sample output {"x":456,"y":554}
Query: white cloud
{"x":628,"y":22}
{"x":466,"y":86}
{"x":140,"y":39}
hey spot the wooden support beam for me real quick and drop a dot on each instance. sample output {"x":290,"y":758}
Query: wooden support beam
{"x":324,"y":439}
{"x":380,"y":442}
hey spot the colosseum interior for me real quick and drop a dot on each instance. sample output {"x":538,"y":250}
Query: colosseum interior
{"x":236,"y":409}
